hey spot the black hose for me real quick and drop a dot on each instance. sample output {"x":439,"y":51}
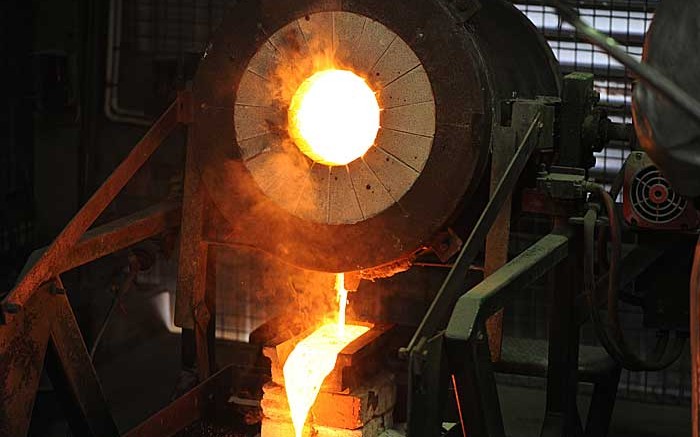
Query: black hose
{"x":610,"y":332}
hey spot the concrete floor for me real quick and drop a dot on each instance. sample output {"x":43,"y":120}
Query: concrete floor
{"x":523,"y":411}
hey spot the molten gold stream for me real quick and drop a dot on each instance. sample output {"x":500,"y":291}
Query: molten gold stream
{"x":313,"y":359}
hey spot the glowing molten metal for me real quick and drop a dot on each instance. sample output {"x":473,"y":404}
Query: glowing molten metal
{"x":314,"y":358}
{"x":334,"y":117}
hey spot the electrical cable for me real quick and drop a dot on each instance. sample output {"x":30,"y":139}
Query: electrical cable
{"x":610,"y":332}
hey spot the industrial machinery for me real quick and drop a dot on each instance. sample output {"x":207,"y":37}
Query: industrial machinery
{"x":650,"y":200}
{"x":466,"y":123}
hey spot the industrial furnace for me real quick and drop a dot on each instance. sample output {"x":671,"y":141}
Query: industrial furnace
{"x":385,"y":148}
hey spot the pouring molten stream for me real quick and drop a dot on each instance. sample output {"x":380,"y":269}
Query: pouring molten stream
{"x":314,"y":358}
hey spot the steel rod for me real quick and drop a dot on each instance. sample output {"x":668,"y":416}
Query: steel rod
{"x":454,"y":283}
{"x":648,"y":74}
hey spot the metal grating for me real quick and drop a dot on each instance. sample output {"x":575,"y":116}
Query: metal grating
{"x":625,"y":20}
{"x":166,"y":28}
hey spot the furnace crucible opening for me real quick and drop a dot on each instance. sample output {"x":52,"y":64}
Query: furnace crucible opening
{"x":334,"y":117}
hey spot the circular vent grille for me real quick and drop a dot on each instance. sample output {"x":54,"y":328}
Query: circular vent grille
{"x":653,"y":199}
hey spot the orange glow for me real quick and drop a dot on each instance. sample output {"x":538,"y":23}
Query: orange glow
{"x":313,"y":359}
{"x":334,"y":117}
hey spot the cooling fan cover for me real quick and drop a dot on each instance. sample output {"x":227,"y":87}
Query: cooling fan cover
{"x":649,"y":200}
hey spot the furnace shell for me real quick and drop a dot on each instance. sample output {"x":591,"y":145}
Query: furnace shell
{"x":463,"y":65}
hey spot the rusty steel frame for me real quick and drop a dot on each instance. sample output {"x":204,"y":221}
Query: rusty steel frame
{"x":47,"y":265}
{"x":187,"y":409}
{"x":195,"y":304}
{"x":46,"y":330}
{"x":37,"y":326}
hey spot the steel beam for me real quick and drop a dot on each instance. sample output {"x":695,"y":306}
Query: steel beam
{"x":47,"y":328}
{"x":74,"y":378}
{"x":490,"y":295}
{"x":115,"y":235}
{"x":561,"y":415}
{"x":449,"y":291}
{"x":47,"y":264}
{"x":23,"y":342}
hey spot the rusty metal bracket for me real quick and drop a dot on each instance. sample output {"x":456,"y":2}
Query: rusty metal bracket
{"x":49,"y":261}
{"x":46,"y":331}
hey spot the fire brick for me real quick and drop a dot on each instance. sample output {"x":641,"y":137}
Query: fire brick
{"x":347,"y":410}
{"x":273,"y":428}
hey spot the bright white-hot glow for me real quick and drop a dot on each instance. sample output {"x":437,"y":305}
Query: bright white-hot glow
{"x":342,"y":302}
{"x":313,"y":359}
{"x":334,"y":117}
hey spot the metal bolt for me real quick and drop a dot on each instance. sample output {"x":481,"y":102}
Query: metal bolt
{"x":12,"y":308}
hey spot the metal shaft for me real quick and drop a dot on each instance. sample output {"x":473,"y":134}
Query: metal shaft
{"x":648,"y":74}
